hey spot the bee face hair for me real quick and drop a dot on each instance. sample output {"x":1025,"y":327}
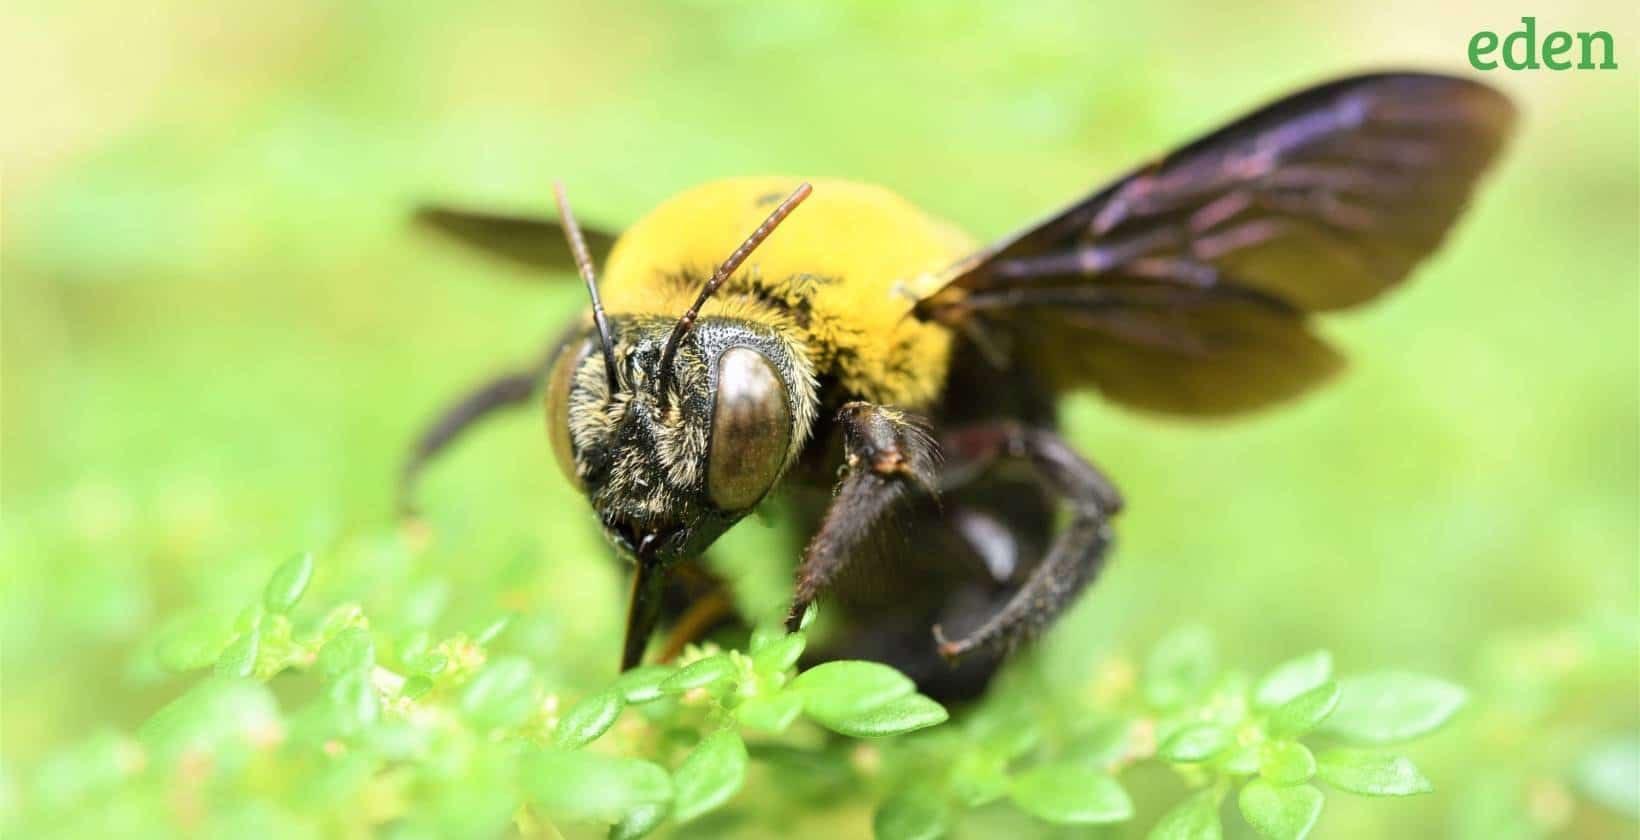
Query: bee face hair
{"x":669,"y":470}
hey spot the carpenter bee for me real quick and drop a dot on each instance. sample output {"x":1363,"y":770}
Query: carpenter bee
{"x":853,"y":334}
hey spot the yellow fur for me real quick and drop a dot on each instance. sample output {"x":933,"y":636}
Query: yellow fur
{"x":845,"y":268}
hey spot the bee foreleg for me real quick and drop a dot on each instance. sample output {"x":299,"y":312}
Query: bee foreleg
{"x":1076,"y":555}
{"x":887,"y":453}
{"x":505,"y":391}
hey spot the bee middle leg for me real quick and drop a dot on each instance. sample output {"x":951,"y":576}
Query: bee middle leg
{"x":1077,"y":553}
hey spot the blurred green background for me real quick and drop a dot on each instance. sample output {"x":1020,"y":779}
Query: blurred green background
{"x":220,"y":334}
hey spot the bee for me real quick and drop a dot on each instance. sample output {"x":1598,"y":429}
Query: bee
{"x":826,"y":346}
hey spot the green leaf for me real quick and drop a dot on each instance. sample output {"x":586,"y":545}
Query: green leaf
{"x":217,"y":713}
{"x":979,"y":777}
{"x":588,"y":719}
{"x":1244,"y":760}
{"x":1070,"y":794}
{"x":809,"y":612}
{"x":771,"y":713}
{"x":416,"y":687}
{"x":1196,"y":818}
{"x":1197,"y":742}
{"x":1280,"y":813}
{"x":239,"y":658}
{"x":356,"y":701}
{"x":643,"y":683}
{"x":1292,"y":678}
{"x":780,"y":655}
{"x":639,"y":821}
{"x":699,"y":674}
{"x":1304,"y":712}
{"x":710,"y":775}
{"x":502,"y":694}
{"x":193,"y":641}
{"x":892,"y":718}
{"x":1286,"y":763}
{"x":1179,"y":669}
{"x":764,"y":634}
{"x":288,"y":583}
{"x":350,"y":650}
{"x":1371,"y":774}
{"x":587,"y":784}
{"x":1609,"y":774}
{"x":915,"y":814}
{"x":835,"y":691}
{"x":1388,"y":707}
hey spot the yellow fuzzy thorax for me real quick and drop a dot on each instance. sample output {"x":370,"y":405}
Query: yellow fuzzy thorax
{"x":840,"y":276}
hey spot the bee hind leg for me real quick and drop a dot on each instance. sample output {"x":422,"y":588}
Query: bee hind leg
{"x":888,"y":454}
{"x":1077,"y":553}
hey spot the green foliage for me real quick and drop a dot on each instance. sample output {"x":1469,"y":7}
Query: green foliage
{"x":394,"y":739}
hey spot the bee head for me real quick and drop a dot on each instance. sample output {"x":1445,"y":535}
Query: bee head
{"x":677,"y":428}
{"x":670,"y":462}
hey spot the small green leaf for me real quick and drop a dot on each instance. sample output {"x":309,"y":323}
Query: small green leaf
{"x":844,"y":689}
{"x":1103,"y":745}
{"x":892,"y":718}
{"x":502,"y":694}
{"x":1179,"y":669}
{"x":416,"y":687}
{"x":643,"y":683}
{"x":1244,"y":760}
{"x":218,"y":712}
{"x":699,"y":674}
{"x":1390,"y":706}
{"x":288,"y":583}
{"x":351,"y":650}
{"x":915,"y":814}
{"x":1280,"y":813}
{"x":1286,"y":763}
{"x":979,"y":777}
{"x":1292,"y":678}
{"x":588,"y":719}
{"x":239,"y":658}
{"x":582,"y":783}
{"x":1304,"y":712}
{"x":193,"y":641}
{"x":772,"y":713}
{"x":639,"y":821}
{"x":1197,"y":742}
{"x":1196,"y":818}
{"x":780,"y":655}
{"x":765,"y":634}
{"x":1070,"y":794}
{"x":809,"y":612}
{"x":355,"y":700}
{"x":710,"y":775}
{"x":1371,"y":774}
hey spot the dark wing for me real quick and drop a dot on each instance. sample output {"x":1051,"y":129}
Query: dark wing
{"x":537,"y":242}
{"x":1184,"y":286}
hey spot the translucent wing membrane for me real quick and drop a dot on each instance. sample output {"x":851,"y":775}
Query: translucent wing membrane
{"x":1183,"y":287}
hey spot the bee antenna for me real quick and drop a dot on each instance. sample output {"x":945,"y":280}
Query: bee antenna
{"x":687,"y":322}
{"x":583,"y":263}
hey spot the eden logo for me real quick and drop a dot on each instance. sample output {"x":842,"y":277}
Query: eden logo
{"x":1520,"y":49}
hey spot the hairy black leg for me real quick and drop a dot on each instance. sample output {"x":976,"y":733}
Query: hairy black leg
{"x":887,"y":453}
{"x":1077,"y":553}
{"x":506,"y":391}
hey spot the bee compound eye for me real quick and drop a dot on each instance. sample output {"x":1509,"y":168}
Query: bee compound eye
{"x":751,"y":429}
